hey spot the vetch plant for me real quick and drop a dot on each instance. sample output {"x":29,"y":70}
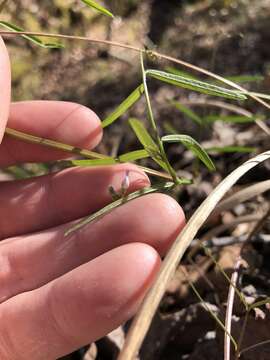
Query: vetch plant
{"x":153,"y":146}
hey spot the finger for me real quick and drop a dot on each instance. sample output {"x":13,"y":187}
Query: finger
{"x":66,"y":122}
{"x":5,"y":81}
{"x":78,"y":308}
{"x":39,"y":203}
{"x":154,"y":219}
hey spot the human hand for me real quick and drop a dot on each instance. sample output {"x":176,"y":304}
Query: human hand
{"x":58,"y":293}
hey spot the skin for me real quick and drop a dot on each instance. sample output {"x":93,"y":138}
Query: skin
{"x":58,"y":294}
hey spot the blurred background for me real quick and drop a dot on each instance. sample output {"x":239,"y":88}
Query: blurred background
{"x":228,"y":37}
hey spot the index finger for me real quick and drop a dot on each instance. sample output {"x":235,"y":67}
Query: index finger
{"x":5,"y":81}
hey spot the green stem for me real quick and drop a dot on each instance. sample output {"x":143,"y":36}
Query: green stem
{"x":148,"y":190}
{"x":154,"y":125}
{"x":76,"y":150}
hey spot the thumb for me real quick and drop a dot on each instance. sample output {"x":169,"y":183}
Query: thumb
{"x":5,"y":86}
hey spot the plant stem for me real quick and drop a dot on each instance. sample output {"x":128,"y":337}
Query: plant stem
{"x":75,"y":150}
{"x":154,"y":125}
{"x":147,"y":190}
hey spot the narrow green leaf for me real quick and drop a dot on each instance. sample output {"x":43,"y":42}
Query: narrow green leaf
{"x":245,"y":78}
{"x":144,"y":191}
{"x":31,"y":38}
{"x":124,"y":106}
{"x":142,"y":134}
{"x":192,"y":145}
{"x":169,"y":127}
{"x":188,"y":112}
{"x":98,"y":7}
{"x":231,"y":149}
{"x":196,"y":85}
{"x":147,"y":142}
{"x":94,"y":162}
{"x":134,"y":155}
{"x":175,"y":71}
{"x":236,"y":119}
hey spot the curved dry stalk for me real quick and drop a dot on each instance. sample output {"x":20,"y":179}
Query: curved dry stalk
{"x":73,"y":37}
{"x":142,"y":320}
{"x":217,"y":103}
{"x":213,"y":233}
{"x":241,"y":196}
{"x":221,"y":228}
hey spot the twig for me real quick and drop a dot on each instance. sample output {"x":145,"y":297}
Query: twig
{"x":230,"y":240}
{"x":213,"y":233}
{"x":221,"y":228}
{"x":257,"y":227}
{"x":241,"y":196}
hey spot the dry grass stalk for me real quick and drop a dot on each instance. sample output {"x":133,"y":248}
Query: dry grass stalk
{"x":142,"y":321}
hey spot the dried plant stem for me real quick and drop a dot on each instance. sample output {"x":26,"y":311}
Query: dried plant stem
{"x":72,"y":37}
{"x":257,"y":227}
{"x":221,"y":228}
{"x":217,"y":103}
{"x":239,"y":197}
{"x":142,"y":320}
{"x":53,"y":144}
{"x":229,"y":311}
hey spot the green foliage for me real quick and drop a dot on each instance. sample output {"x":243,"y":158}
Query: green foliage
{"x":98,"y":7}
{"x":236,"y":119}
{"x":146,"y":140}
{"x":31,"y":38}
{"x":124,"y":106}
{"x":195,"y":85}
{"x":188,"y":112}
{"x":134,"y":155}
{"x":192,"y":145}
{"x":94,"y":162}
